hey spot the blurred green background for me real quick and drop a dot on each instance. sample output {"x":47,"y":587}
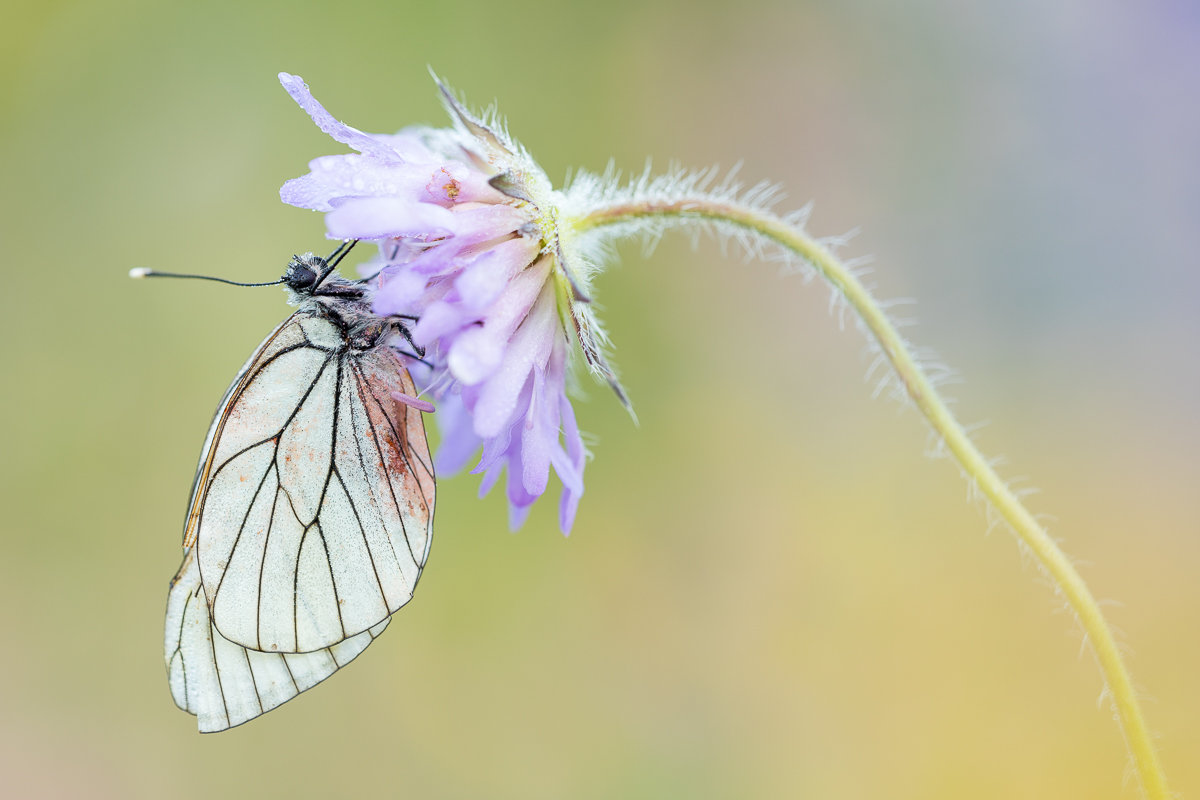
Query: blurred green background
{"x":770,"y":592}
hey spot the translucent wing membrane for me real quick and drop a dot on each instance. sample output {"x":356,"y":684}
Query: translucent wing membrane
{"x":225,"y":684}
{"x":189,"y":528}
{"x":313,"y":509}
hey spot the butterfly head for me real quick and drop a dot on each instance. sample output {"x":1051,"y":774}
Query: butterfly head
{"x":310,"y":276}
{"x":305,"y":273}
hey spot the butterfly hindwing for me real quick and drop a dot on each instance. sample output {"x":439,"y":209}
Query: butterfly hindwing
{"x":314,"y":507}
{"x":225,"y":684}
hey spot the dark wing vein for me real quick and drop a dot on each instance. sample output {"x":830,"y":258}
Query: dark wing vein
{"x":253,"y":682}
{"x":403,"y":442}
{"x":291,"y":677}
{"x":362,"y":463}
{"x":363,"y":531}
{"x":273,"y":436}
{"x":337,"y":600}
{"x":258,"y":368}
{"x":321,"y":503}
{"x":262,"y":565}
{"x":240,"y":383}
{"x":241,"y":530}
{"x":383,"y":462}
{"x":274,"y":465}
{"x":296,"y":570}
{"x":179,"y":647}
{"x":213,"y":633}
{"x":296,"y":584}
{"x":336,"y":667}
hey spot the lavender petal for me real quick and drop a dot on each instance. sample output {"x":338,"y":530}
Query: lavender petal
{"x":530,"y":345}
{"x":459,"y":442}
{"x":355,"y":175}
{"x":340,"y":131}
{"x":386,"y":217}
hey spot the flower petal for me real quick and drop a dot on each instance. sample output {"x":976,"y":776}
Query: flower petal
{"x":572,"y":490}
{"x":482,"y":223}
{"x":455,"y":182}
{"x":475,"y":355}
{"x":355,"y":175}
{"x":340,"y":131}
{"x":520,"y":501}
{"x":537,"y":439}
{"x":531,"y":345}
{"x":441,"y":319}
{"x":517,"y":514}
{"x":459,"y":442}
{"x":409,"y":142}
{"x":386,"y":217}
{"x":398,"y":293}
{"x":489,"y":480}
{"x":486,"y":278}
{"x":496,"y":448}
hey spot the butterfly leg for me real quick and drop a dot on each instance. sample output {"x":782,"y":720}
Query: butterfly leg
{"x":396,"y":321}
{"x":415,"y":357}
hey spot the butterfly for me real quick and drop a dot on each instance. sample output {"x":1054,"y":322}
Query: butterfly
{"x":311,"y":513}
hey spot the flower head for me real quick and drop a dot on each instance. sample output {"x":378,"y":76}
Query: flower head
{"x":470,"y":248}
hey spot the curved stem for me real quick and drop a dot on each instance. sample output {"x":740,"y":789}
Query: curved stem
{"x":1068,"y":581}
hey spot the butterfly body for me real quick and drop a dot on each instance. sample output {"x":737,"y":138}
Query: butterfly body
{"x":311,"y":513}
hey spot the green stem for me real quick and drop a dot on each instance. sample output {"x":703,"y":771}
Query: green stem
{"x":926,"y":398}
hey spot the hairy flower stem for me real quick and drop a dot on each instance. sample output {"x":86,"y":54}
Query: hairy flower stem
{"x":976,"y":468}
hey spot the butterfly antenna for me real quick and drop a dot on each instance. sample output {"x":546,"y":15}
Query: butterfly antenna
{"x":335,"y":258}
{"x":143,"y":272}
{"x":340,"y":252}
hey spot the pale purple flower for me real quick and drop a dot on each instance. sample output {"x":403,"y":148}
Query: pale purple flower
{"x":469,"y":246}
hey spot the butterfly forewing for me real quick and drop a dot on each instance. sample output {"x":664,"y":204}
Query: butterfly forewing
{"x":392,"y":457}
{"x":270,"y":346}
{"x":313,"y":518}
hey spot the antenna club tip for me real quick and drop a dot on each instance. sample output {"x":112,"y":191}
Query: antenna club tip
{"x":139,"y":272}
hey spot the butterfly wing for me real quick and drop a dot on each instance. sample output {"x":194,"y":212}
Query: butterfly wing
{"x":224,"y":684}
{"x":314,"y":507}
{"x":206,"y":453}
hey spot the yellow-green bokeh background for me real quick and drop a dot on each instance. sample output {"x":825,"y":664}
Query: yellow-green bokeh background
{"x":769,"y":593}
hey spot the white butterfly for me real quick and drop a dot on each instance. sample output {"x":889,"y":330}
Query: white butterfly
{"x":311,"y":513}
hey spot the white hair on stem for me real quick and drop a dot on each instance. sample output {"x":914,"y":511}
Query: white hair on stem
{"x":598,"y":210}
